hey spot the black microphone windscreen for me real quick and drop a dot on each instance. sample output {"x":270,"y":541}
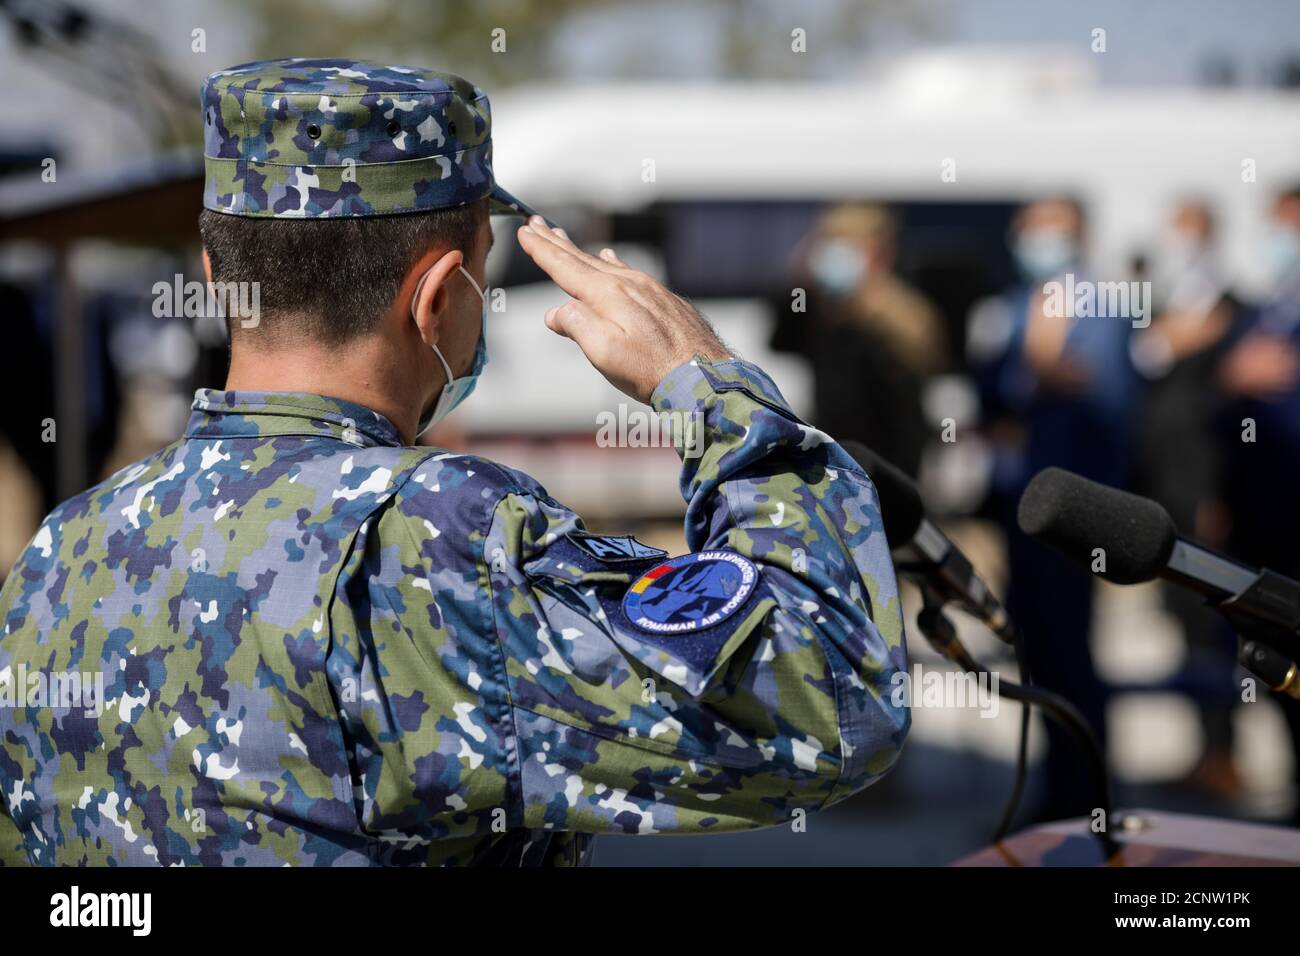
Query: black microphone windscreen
{"x":901,"y":507}
{"x":1077,"y":516}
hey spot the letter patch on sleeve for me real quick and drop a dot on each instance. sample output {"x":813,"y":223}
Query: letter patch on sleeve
{"x":614,"y":547}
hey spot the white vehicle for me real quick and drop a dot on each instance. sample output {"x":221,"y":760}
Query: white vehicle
{"x":711,"y":187}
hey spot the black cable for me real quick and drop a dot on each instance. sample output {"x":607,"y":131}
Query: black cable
{"x":1022,"y":753}
{"x":1068,"y":716}
{"x":939,"y":630}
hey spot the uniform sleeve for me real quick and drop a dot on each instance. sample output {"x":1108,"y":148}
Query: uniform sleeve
{"x":738,"y":719}
{"x":12,"y":849}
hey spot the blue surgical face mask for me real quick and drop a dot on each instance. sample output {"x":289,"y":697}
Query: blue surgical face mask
{"x":1282,"y":252}
{"x":1044,"y":253}
{"x":456,"y":390}
{"x":838,"y":266}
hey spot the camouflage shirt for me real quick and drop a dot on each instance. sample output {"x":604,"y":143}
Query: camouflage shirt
{"x":317,"y":646}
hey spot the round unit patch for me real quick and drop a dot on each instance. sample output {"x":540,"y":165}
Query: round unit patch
{"x":691,"y":592}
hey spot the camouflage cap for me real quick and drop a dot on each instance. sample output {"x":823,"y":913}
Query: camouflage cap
{"x":295,"y":138}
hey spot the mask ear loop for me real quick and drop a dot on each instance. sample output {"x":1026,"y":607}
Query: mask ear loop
{"x":415,"y":297}
{"x":482,"y":293}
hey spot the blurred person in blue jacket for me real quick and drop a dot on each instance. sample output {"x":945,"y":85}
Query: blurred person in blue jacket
{"x":1059,"y":388}
{"x":1179,"y":455}
{"x":1260,"y":380}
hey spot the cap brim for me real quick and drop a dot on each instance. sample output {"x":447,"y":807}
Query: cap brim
{"x":501,"y":203}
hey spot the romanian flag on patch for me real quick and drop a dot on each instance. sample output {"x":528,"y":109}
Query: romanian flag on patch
{"x":645,"y":580}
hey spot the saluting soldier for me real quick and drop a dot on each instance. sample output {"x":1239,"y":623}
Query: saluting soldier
{"x":323,"y":644}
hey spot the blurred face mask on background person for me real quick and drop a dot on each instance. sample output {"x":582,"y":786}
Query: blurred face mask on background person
{"x":1282,"y":253}
{"x":456,"y":390}
{"x":838,"y":266}
{"x":1176,"y":252}
{"x":1044,"y":253}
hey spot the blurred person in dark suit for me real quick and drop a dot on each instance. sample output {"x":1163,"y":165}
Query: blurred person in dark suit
{"x":1178,"y":453}
{"x":873,"y":341}
{"x":1057,"y":390}
{"x":27,"y":369}
{"x":1260,"y":378}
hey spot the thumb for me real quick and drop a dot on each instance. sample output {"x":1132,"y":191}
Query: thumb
{"x":609,"y":255}
{"x":573,"y":320}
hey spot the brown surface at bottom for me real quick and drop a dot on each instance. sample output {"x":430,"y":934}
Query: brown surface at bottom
{"x":1055,"y":849}
{"x":1160,"y":839}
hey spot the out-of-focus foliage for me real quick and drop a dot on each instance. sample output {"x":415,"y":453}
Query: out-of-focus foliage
{"x":740,"y":38}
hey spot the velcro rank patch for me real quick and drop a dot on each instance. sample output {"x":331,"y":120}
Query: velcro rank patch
{"x":614,"y":547}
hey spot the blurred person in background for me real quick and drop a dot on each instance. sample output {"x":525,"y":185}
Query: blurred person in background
{"x":1260,"y":379}
{"x":1057,"y":391}
{"x":27,"y":368}
{"x":27,"y":477}
{"x":873,"y":341}
{"x":1178,"y":458}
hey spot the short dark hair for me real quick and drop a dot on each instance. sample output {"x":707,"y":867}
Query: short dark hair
{"x":1068,"y":200}
{"x":331,"y":279}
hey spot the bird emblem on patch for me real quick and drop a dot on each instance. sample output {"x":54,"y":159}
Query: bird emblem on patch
{"x":691,"y":592}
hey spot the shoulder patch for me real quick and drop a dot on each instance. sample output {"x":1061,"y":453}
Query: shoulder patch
{"x":691,"y":592}
{"x":614,"y":547}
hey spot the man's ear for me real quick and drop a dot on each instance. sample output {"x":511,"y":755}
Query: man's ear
{"x":431,"y":296}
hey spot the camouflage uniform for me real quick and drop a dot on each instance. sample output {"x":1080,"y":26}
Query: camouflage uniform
{"x":321,"y":647}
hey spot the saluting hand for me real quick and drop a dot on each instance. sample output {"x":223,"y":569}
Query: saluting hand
{"x":632,"y":329}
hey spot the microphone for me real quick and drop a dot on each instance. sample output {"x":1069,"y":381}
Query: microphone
{"x":1077,"y":516}
{"x":1127,"y":539}
{"x":1132,"y":537}
{"x":928,"y":555}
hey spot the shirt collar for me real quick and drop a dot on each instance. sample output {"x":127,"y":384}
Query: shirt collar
{"x":245,"y":414}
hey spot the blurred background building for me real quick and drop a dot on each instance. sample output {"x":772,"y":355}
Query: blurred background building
{"x":883,"y":159}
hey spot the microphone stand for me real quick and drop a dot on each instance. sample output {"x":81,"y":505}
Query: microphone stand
{"x":1274,"y":669}
{"x":1266,"y":617}
{"x":939,"y":631}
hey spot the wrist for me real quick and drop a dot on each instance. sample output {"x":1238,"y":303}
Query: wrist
{"x":705,"y":350}
{"x":713,"y":352}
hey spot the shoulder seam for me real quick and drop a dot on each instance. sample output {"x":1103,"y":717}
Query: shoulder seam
{"x":512,"y":486}
{"x":516,"y":764}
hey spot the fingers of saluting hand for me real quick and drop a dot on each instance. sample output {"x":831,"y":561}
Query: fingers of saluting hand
{"x":576,"y":272}
{"x":568,"y":271}
{"x":561,"y":238}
